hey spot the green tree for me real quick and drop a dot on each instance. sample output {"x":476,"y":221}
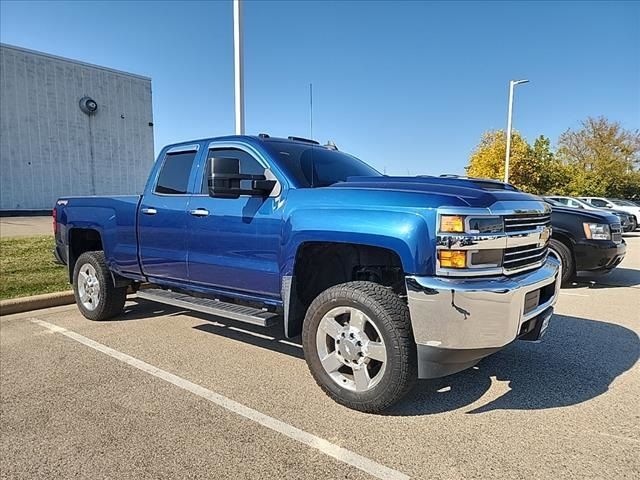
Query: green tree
{"x":603,"y":157}
{"x":553,"y":175}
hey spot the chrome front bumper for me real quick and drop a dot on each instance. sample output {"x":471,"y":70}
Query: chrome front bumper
{"x":458,"y":321}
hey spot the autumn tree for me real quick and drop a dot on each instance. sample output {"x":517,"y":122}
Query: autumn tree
{"x":532,"y":169}
{"x":599,"y":159}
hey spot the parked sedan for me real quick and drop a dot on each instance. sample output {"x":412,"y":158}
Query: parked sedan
{"x":614,"y":203}
{"x":628,"y":220}
{"x":585,"y":240}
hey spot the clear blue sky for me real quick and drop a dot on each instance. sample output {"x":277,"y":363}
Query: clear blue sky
{"x":409,"y":87}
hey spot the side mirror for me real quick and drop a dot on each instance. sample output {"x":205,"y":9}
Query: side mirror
{"x":226,"y":181}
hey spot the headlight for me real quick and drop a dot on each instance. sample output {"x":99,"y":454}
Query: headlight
{"x":470,"y":224}
{"x":597,"y":231}
{"x":452,"y":224}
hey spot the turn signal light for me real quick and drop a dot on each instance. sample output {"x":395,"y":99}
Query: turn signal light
{"x":452,"y":223}
{"x":452,"y":258}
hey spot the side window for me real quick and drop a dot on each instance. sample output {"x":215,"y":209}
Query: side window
{"x":598,"y":203}
{"x":174,"y":174}
{"x":248,"y":164}
{"x":563,"y":201}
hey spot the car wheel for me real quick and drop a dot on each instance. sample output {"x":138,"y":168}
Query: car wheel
{"x":359,"y":346}
{"x":563,"y":253}
{"x":96,"y":296}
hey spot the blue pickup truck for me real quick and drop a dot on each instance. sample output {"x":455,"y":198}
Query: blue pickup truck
{"x":387,"y":279}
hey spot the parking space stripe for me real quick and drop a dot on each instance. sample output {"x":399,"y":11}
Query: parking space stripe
{"x":335,"y":451}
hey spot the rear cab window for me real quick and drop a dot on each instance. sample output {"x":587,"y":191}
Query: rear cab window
{"x":175,"y":172}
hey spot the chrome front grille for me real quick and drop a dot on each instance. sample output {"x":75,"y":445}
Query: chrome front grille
{"x":517,"y":258}
{"x":523,"y":256}
{"x":616,"y":232}
{"x":525,"y":223}
{"x":521,"y":245}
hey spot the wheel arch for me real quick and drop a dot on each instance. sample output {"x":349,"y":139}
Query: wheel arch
{"x":81,"y":240}
{"x":322,"y":264}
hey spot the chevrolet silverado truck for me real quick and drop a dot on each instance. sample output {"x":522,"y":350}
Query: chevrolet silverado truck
{"x":387,"y":279}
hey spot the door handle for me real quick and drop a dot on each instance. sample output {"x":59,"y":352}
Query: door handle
{"x":149,"y":211}
{"x":199,"y":212}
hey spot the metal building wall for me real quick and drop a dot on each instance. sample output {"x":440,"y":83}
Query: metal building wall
{"x":50,"y":148}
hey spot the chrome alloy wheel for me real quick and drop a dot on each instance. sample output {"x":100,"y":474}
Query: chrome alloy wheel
{"x":351,"y":349}
{"x":88,"y":287}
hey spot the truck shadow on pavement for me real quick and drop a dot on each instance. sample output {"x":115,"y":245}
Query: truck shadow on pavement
{"x":619,"y":277}
{"x":577,"y":360}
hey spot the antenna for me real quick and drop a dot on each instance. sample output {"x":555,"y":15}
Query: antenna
{"x":311,"y":110}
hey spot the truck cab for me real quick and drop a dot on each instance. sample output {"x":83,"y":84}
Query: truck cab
{"x":387,"y":279}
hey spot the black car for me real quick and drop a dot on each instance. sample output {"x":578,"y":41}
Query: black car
{"x":585,"y":240}
{"x":628,"y":220}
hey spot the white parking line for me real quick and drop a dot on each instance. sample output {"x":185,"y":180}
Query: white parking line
{"x":342,"y":454}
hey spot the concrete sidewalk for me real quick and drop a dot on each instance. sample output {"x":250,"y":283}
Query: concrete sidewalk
{"x":25,"y":226}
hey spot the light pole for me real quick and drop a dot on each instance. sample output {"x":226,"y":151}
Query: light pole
{"x":238,"y":66}
{"x":512,"y":84}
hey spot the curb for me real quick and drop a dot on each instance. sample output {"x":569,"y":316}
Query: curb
{"x":36,"y":302}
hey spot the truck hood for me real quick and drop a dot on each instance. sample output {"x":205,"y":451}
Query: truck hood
{"x":475,"y":193}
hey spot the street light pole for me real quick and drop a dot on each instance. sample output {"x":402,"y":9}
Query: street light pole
{"x":512,"y":84}
{"x":238,"y":60}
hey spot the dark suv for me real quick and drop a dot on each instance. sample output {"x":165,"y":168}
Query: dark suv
{"x":585,"y":240}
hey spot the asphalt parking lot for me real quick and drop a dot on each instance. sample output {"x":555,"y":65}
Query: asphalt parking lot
{"x":163,"y":393}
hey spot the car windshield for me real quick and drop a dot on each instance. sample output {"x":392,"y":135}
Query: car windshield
{"x":582,"y":202}
{"x":622,"y":203}
{"x":316,"y":166}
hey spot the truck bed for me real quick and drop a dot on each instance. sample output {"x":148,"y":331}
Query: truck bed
{"x":113,"y":217}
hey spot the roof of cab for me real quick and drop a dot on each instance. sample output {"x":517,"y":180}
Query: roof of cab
{"x":252,"y":138}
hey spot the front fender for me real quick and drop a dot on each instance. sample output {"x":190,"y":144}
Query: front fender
{"x":405,"y":233}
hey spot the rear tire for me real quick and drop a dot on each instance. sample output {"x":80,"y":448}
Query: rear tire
{"x":566,"y":258}
{"x":359,"y":346}
{"x":96,"y":296}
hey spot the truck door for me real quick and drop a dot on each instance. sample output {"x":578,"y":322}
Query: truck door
{"x":234,"y":242}
{"x":163,"y":217}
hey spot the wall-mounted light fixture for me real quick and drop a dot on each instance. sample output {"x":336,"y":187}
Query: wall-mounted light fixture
{"x":88,"y":105}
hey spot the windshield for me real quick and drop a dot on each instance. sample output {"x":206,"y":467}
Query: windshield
{"x":623,"y":203}
{"x":583,"y":203}
{"x":316,"y":166}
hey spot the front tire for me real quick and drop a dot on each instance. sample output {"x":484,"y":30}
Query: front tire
{"x":359,"y":346}
{"x":96,"y":296}
{"x":566,"y":259}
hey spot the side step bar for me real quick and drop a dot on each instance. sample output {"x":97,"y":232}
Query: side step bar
{"x":241,"y":313}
